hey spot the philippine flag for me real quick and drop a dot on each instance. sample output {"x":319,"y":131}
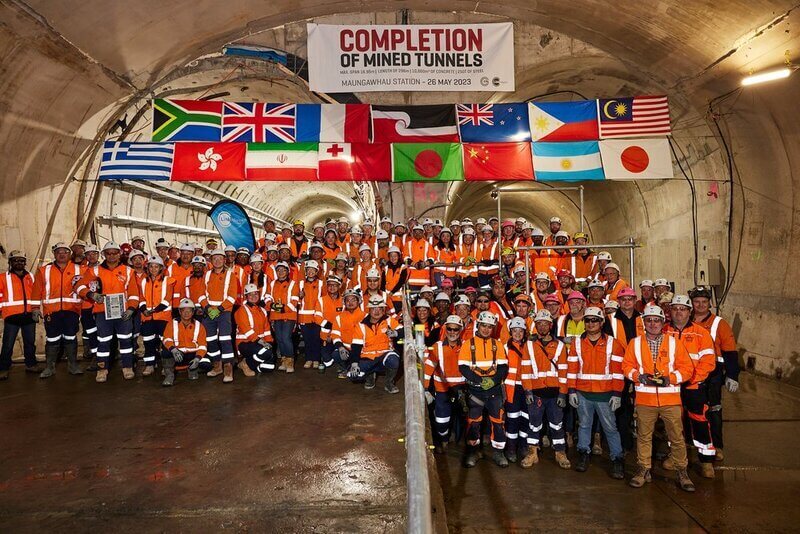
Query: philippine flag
{"x":564,"y":121}
{"x":567,"y":162}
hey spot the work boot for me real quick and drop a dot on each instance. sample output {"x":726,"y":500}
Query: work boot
{"x":597,"y":445}
{"x":51,"y":353}
{"x":128,"y":373}
{"x":308,"y":364}
{"x":719,"y":456}
{"x":92,"y":367}
{"x":471,"y":457}
{"x":169,"y":372}
{"x":531,"y":458}
{"x":545,"y":442}
{"x":321,"y":368}
{"x":706,"y":470}
{"x":617,"y":469}
{"x":667,"y":464}
{"x":342,"y":374}
{"x":511,"y":454}
{"x":282,"y":366}
{"x":71,"y":354}
{"x":315,"y":365}
{"x":246,"y":371}
{"x":641,"y":476}
{"x":684,"y":482}
{"x":102,"y":374}
{"x":369,"y":382}
{"x":227,"y":369}
{"x":148,"y":370}
{"x":388,"y":383}
{"x":562,"y":460}
{"x":499,"y":458}
{"x":36,"y":368}
{"x":216,"y":370}
{"x":194,"y":374}
{"x":583,"y":462}
{"x":289,"y":365}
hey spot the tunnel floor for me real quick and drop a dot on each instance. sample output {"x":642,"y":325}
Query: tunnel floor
{"x":298,"y":453}
{"x":755,"y":488}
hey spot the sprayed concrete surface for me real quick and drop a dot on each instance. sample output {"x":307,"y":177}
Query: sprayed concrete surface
{"x":301,"y":453}
{"x":755,"y":489}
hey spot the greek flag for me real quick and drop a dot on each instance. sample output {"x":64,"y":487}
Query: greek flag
{"x":136,"y":161}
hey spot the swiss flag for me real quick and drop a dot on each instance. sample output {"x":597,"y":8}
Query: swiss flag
{"x":498,"y":161}
{"x":209,"y":162}
{"x":368,"y":162}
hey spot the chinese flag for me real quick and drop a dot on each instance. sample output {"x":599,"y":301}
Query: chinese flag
{"x":209,"y":162}
{"x":365,"y":162}
{"x":497,"y":161}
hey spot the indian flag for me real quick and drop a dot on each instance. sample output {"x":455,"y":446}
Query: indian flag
{"x":282,"y":161}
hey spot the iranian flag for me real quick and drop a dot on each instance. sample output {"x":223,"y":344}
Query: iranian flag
{"x":281,"y":161}
{"x":427,"y":162}
{"x":355,"y":161}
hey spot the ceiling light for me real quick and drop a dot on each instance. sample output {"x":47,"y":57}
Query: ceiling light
{"x":767,"y":76}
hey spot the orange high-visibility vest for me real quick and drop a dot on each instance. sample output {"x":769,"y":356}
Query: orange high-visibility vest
{"x":252,"y":324}
{"x":106,"y":281}
{"x":595,"y":367}
{"x":189,"y":338}
{"x":16,"y":294}
{"x":672,"y":360}
{"x":441,"y":366}
{"x":53,"y":289}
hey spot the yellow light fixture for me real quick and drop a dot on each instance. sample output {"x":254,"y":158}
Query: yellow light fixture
{"x":767,"y":76}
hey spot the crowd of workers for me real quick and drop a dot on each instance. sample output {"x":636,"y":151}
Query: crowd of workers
{"x":556,"y":349}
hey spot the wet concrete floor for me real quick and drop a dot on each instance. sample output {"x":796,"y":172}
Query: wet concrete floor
{"x":755,"y":489}
{"x":279,"y":453}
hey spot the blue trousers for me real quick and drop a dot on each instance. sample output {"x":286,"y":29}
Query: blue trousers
{"x":516,"y":420}
{"x":107,"y":329}
{"x":10,"y":331}
{"x":442,"y":412}
{"x":329,"y":355}
{"x":586,"y":411}
{"x":312,"y":341}
{"x":555,"y":421}
{"x":388,"y":360}
{"x":152,"y":332}
{"x":218,"y":337}
{"x":61,"y":327}
{"x":282,"y":332}
{"x":258,"y":358}
{"x":89,"y":330}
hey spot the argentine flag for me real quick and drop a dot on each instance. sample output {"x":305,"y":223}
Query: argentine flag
{"x":567,"y":162}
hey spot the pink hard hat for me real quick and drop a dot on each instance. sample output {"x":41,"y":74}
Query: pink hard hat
{"x":508,"y":222}
{"x":550,"y":298}
{"x":576,"y":295}
{"x":626,"y":292}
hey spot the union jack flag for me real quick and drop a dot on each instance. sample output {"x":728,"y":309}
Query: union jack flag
{"x":475,"y":114}
{"x":256,"y":122}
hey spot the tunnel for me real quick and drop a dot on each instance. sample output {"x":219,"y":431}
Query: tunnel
{"x":75,"y":74}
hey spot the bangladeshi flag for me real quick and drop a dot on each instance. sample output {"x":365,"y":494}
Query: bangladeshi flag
{"x":427,"y":162}
{"x":498,"y":161}
{"x":365,"y":162}
{"x":208,"y":162}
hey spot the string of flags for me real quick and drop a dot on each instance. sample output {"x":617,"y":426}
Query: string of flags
{"x":619,"y":138}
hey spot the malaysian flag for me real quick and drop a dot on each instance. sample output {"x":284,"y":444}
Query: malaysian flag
{"x":256,"y":122}
{"x":136,"y":161}
{"x":639,"y":116}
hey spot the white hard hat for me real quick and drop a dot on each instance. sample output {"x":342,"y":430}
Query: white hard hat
{"x":382,"y":234}
{"x":373,"y":273}
{"x":595,"y":283}
{"x":521,"y":220}
{"x":137,"y":238}
{"x":91,"y":247}
{"x":312,"y":264}
{"x":199,"y":259}
{"x":681,"y":300}
{"x":250,"y":288}
{"x":282,"y":264}
{"x":217,"y":252}
{"x":516,"y":322}
{"x":604,"y":256}
{"x":343,"y":220}
{"x":468,"y":231}
{"x":187,"y":247}
{"x":442,"y":296}
{"x":455,"y":222}
{"x":462,"y":299}
{"x":352,"y":293}
{"x":161,"y":242}
{"x":186,"y":303}
{"x":418,"y":227}
{"x":61,"y":244}
{"x":613,"y":266}
{"x":426,"y":289}
{"x":270,"y":237}
{"x":562,"y":233}
{"x":135,"y":252}
{"x":17,"y":254}
{"x":271,"y":248}
{"x":364,"y":247}
{"x":230,"y":248}
{"x":661,"y":282}
{"x":385,"y":219}
{"x":541,"y":276}
{"x":110,"y":246}
{"x":357,"y":230}
{"x":519,"y":268}
{"x":454,"y":319}
{"x":427,"y":220}
{"x":243,"y":250}
{"x":155,"y":259}
{"x":393,"y":249}
{"x":537,"y":232}
{"x":651,"y":310}
{"x":594,"y":311}
{"x":646,"y":283}
{"x":422,"y":303}
{"x":376,"y":302}
{"x":256,"y":258}
{"x":613,"y":304}
{"x":368,"y":222}
{"x":543,"y":315}
{"x":487,"y":317}
{"x":555,"y":219}
{"x":479,"y":220}
{"x":333,"y":279}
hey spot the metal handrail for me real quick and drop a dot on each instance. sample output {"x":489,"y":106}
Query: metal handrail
{"x":418,"y":485}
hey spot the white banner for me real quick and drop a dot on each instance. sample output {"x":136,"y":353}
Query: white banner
{"x":425,"y":57}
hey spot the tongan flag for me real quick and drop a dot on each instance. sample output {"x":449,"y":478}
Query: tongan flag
{"x":208,"y":162}
{"x":564,"y":121}
{"x":636,"y":159}
{"x":333,"y":123}
{"x":369,"y":162}
{"x":568,"y":162}
{"x":281,"y":161}
{"x":493,"y":123}
{"x":233,"y":224}
{"x":136,"y":161}
{"x":414,"y":124}
{"x":256,"y":122}
{"x":497,"y":161}
{"x":186,"y":120}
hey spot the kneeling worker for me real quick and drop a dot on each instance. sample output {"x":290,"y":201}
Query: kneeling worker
{"x":184,"y":343}
{"x":253,"y":335}
{"x":379,"y":330}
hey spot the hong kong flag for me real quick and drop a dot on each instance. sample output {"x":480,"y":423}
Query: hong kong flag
{"x":209,"y":162}
{"x":497,"y":161}
{"x":355,"y":161}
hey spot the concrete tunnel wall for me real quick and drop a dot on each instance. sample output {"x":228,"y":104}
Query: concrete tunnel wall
{"x":68,"y":70}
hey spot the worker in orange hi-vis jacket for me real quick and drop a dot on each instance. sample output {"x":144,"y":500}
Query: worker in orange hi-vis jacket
{"x":379,"y":331}
{"x":347,"y":333}
{"x":217,"y":303}
{"x":309,"y":292}
{"x":329,"y":307}
{"x":16,"y":307}
{"x":184,"y":343}
{"x":253,"y":335}
{"x":283,"y":297}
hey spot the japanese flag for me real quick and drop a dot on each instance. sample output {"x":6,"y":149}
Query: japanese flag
{"x":636,"y":159}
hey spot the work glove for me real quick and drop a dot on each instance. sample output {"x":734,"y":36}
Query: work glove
{"x":355,"y":371}
{"x":487,"y":383}
{"x":561,"y":401}
{"x":177,"y":354}
{"x":343,"y":354}
{"x":391,"y":334}
{"x":573,"y":400}
{"x":127,"y":315}
{"x":36,"y":315}
{"x":97,"y":297}
{"x":276,"y":307}
{"x":615,"y":402}
{"x":212,"y":313}
{"x":264,"y":343}
{"x":194,"y":364}
{"x":420,"y":265}
{"x":730,"y":383}
{"x":198,"y":312}
{"x":646,"y":379}
{"x":301,"y":295}
{"x":661,"y":380}
{"x":529,"y":397}
{"x":429,"y":397}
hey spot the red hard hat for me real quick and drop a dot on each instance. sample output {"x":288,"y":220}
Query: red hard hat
{"x":564,"y":272}
{"x":125,"y":248}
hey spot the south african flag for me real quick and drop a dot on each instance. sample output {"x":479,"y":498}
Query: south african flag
{"x":186,"y":120}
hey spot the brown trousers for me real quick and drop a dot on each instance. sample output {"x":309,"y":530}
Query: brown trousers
{"x":646,"y":417}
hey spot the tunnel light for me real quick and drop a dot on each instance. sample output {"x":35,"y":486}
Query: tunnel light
{"x":355,"y":216}
{"x":767,"y":76}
